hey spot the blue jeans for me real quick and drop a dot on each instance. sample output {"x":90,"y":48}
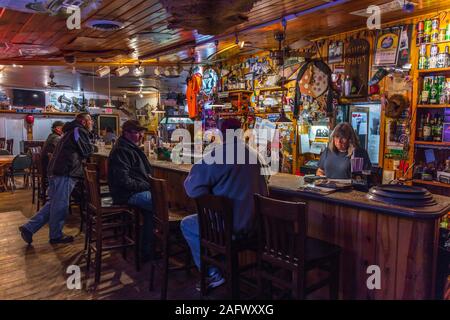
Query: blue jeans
{"x":191,"y":232}
{"x":143,"y":200}
{"x":55,"y":210}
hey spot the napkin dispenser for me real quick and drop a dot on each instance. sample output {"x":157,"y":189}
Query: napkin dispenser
{"x":361,"y":181}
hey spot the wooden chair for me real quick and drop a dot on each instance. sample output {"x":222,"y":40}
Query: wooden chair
{"x":4,"y":152}
{"x":10,"y":145}
{"x":21,"y":166}
{"x":218,"y":246}
{"x":2,"y":143}
{"x":105,"y":217}
{"x":284,"y":248}
{"x":166,"y":230}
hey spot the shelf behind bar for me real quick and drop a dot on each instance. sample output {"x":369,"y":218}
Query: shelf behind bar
{"x":434,"y":106}
{"x":432,"y":183}
{"x":436,"y":70}
{"x":432,"y":143}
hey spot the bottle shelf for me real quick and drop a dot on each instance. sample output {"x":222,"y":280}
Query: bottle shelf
{"x":436,"y":106}
{"x":437,"y":42}
{"x":436,"y":70}
{"x":431,"y":183}
{"x":432,"y":143}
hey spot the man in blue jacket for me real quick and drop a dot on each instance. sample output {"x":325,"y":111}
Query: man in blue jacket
{"x":64,"y":170}
{"x":238,"y":181}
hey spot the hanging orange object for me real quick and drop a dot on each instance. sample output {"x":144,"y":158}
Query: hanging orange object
{"x":193,"y":88}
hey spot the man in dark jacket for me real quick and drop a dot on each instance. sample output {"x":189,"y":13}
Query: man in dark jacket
{"x":128,"y":178}
{"x":49,"y":147}
{"x":64,"y":170}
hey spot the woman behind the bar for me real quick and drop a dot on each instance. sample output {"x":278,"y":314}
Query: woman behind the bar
{"x":335,"y":161}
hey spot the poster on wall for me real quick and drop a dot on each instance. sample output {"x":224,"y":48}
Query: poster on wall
{"x":357,"y":59}
{"x":335,"y":52}
{"x":386,"y":50}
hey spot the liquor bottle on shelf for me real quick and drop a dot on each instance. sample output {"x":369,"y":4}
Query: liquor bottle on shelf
{"x":425,"y":96}
{"x":439,"y":129}
{"x":423,"y":60}
{"x":427,"y":128}
{"x":419,"y":134}
{"x":434,"y":92}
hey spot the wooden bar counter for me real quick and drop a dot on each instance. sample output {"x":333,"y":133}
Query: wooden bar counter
{"x":402,"y":241}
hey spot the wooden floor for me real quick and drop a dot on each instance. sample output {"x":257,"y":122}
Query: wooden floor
{"x":39,"y":271}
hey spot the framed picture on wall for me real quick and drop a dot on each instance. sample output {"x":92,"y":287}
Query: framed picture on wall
{"x":105,"y":121}
{"x":335,"y":52}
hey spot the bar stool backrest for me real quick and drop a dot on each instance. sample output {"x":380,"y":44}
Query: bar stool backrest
{"x":215,"y":217}
{"x":91,"y":178}
{"x":2,"y":143}
{"x":282,"y":227}
{"x":4,"y":152}
{"x":160,"y":205}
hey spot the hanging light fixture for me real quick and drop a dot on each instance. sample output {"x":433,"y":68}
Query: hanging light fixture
{"x":103,"y":71}
{"x":121,"y":71}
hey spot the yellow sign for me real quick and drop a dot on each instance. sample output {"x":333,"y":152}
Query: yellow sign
{"x":387,"y":49}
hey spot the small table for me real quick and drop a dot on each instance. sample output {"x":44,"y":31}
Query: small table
{"x":5,"y":162}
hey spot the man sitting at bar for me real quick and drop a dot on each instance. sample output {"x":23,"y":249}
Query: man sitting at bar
{"x":335,"y":161}
{"x":64,"y":170}
{"x":128,"y":171}
{"x":238,"y":181}
{"x":49,"y":147}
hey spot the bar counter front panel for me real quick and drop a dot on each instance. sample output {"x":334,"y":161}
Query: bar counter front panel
{"x":402,"y":241}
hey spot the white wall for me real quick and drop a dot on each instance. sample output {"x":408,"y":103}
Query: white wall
{"x":12,"y":126}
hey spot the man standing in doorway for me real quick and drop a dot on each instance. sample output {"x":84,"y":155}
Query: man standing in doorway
{"x":64,"y":170}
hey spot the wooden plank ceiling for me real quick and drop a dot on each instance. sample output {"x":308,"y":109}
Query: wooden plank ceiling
{"x":43,"y":39}
{"x":51,"y":40}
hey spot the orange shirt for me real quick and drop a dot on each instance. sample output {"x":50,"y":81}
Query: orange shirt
{"x":193,"y":88}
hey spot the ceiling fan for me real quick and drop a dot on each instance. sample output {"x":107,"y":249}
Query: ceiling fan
{"x":53,"y":85}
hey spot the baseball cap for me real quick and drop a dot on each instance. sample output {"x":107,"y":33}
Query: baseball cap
{"x":132,"y":125}
{"x":57,"y":124}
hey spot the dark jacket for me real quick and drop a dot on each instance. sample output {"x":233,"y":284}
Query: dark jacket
{"x":74,"y":147}
{"x":49,"y":147}
{"x":128,"y":171}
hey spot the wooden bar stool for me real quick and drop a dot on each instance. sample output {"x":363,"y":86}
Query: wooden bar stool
{"x":284,"y":248}
{"x":167,"y":234}
{"x":218,"y":246}
{"x":105,"y":217}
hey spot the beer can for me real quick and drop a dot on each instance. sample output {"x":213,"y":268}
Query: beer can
{"x":423,"y":50}
{"x":442,"y":34}
{"x":427,"y":26}
{"x":419,"y":39}
{"x":435,"y":36}
{"x":434,"y":50}
{"x":420,"y":27}
{"x":435,"y":24}
{"x":426,"y":37}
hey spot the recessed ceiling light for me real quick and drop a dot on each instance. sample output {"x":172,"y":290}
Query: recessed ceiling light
{"x":104,"y":25}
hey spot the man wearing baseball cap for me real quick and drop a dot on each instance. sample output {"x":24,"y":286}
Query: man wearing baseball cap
{"x":49,"y":147}
{"x":128,"y":181}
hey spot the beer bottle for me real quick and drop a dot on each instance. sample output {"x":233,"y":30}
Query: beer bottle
{"x":420,"y":128}
{"x":427,"y":128}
